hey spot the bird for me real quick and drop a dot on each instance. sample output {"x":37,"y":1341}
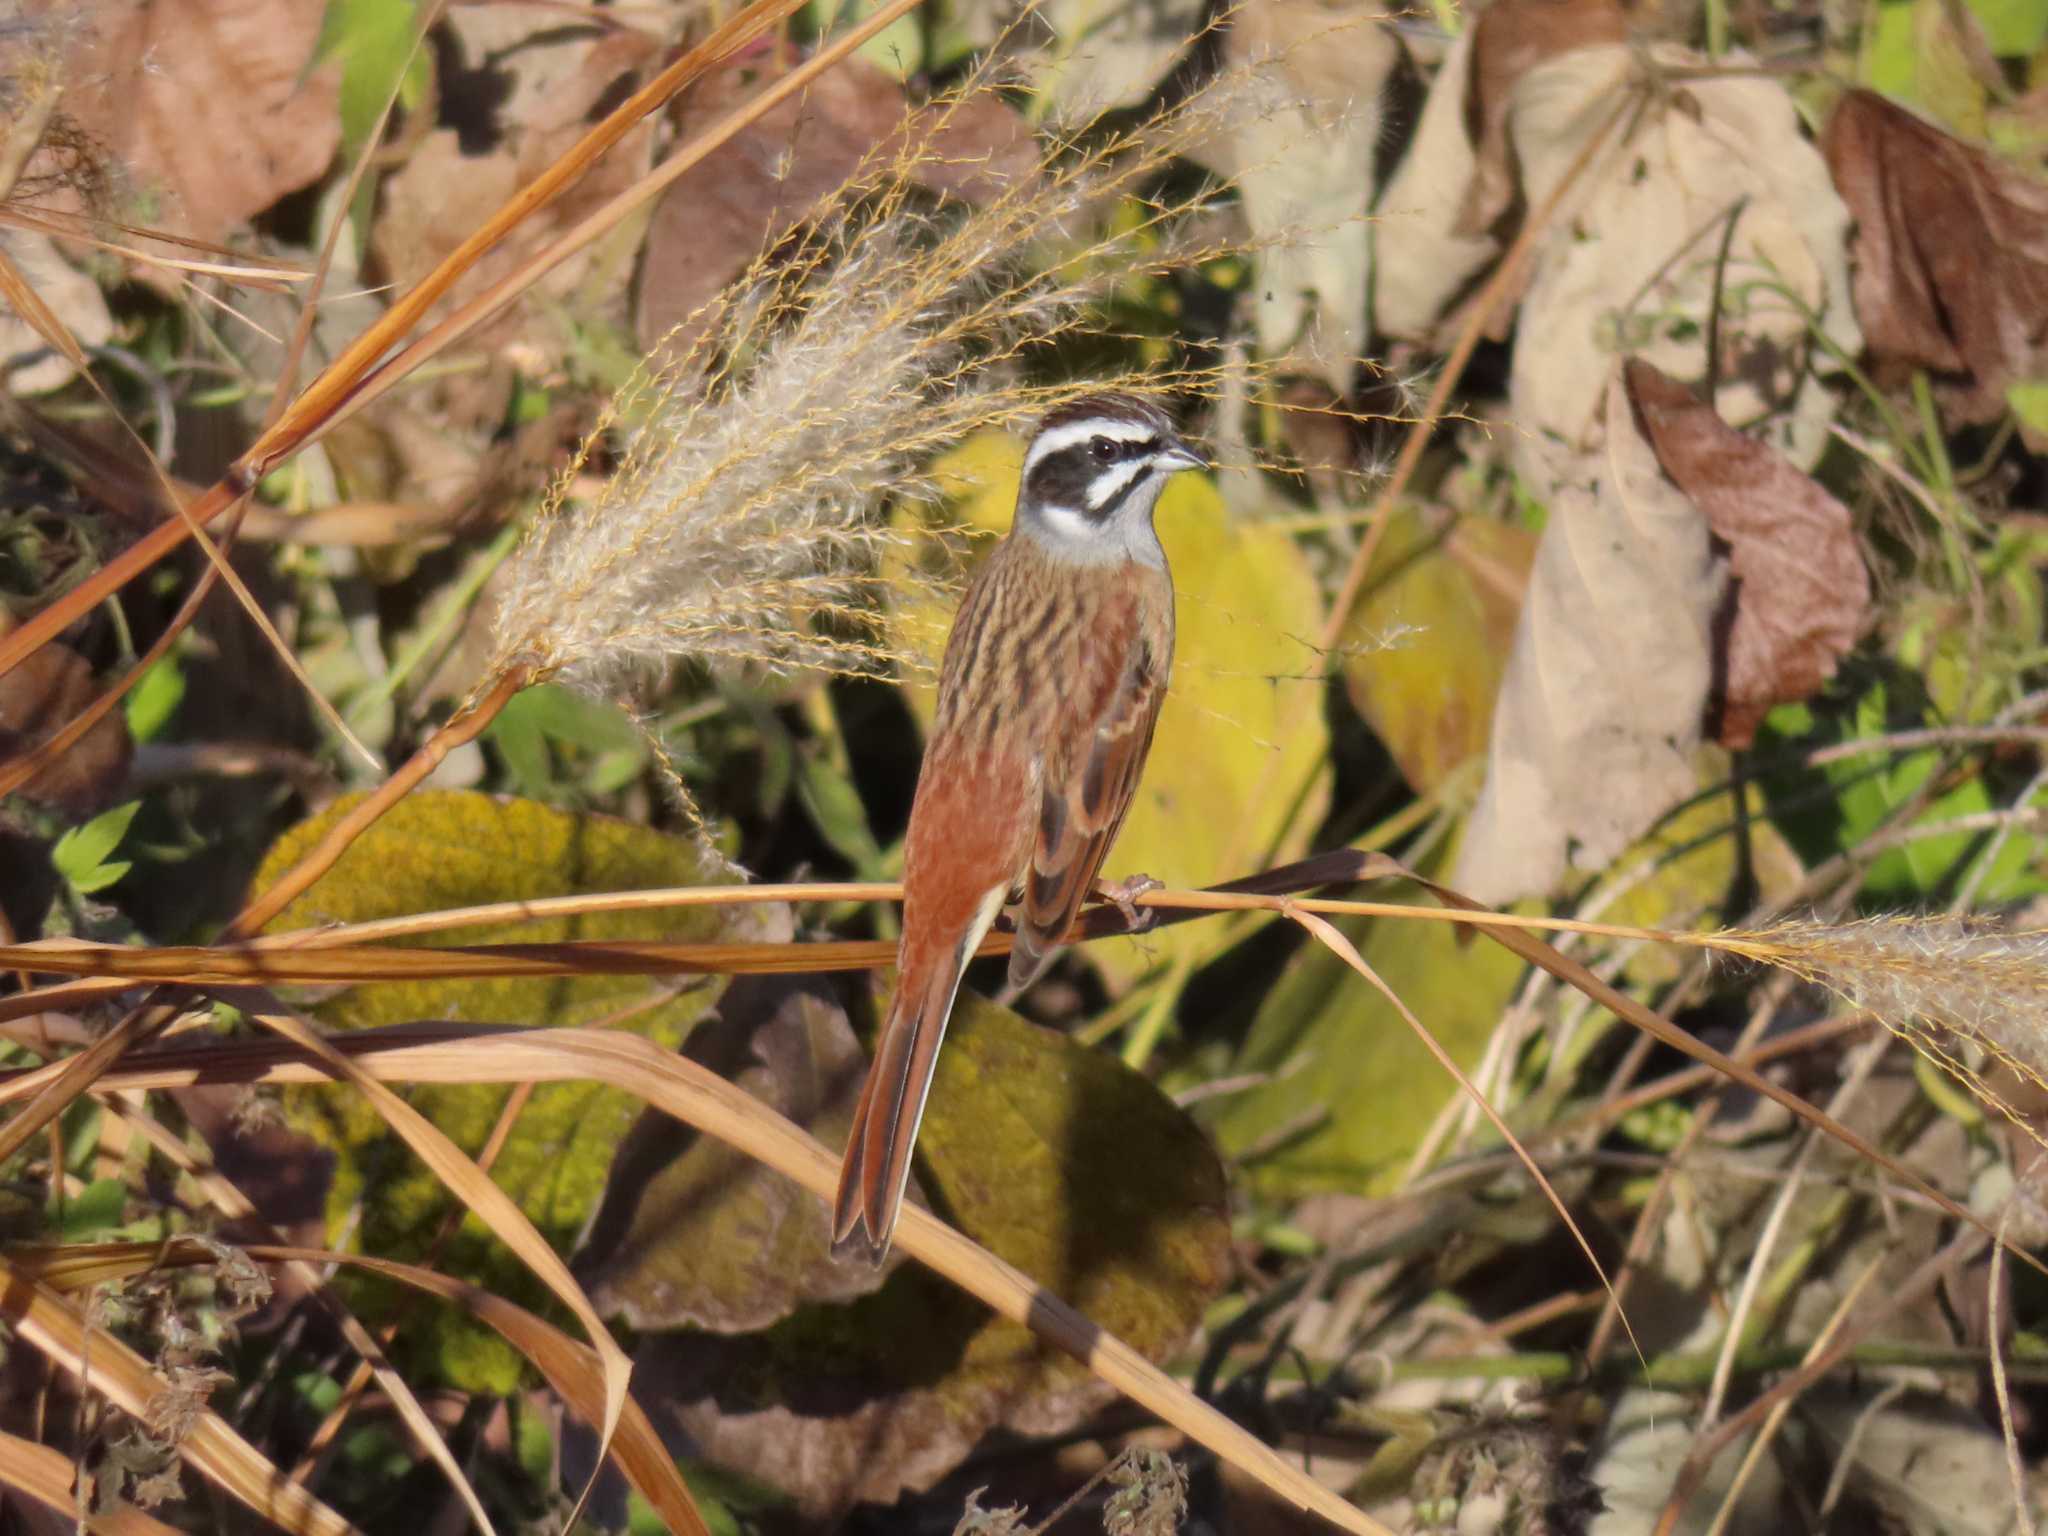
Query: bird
{"x":1053,"y":675}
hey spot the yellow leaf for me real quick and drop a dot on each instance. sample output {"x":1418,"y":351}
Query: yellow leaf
{"x":1427,"y":646}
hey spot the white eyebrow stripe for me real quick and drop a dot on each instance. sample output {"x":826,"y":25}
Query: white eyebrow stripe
{"x":1081,"y":431}
{"x":1104,"y":487}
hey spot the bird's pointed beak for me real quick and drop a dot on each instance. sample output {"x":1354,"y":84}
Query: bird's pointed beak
{"x":1179,"y":455}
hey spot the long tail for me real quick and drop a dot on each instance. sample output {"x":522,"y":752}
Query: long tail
{"x":877,"y":1165}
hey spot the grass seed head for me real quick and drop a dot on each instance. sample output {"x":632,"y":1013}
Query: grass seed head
{"x":760,"y":445}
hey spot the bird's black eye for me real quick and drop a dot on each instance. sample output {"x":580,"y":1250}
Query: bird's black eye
{"x":1103,"y":449}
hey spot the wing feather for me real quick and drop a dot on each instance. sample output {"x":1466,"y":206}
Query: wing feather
{"x":1081,"y":808}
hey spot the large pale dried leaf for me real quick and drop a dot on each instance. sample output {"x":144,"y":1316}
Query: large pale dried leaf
{"x":1951,"y":253}
{"x":50,"y":688}
{"x":521,"y":88}
{"x":721,"y":214}
{"x":1510,"y":39}
{"x":452,"y":849}
{"x":1600,"y":707}
{"x":1923,"y":1465}
{"x":1632,"y":264}
{"x":1316,"y":74}
{"x":694,"y":1233}
{"x":1423,"y":259}
{"x":1055,"y":1157}
{"x":1242,"y":733}
{"x":212,"y":104}
{"x":1351,"y":1090}
{"x":1427,"y":645}
{"x":1799,"y":591}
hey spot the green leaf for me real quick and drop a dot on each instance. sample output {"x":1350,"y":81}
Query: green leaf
{"x":1869,"y":789}
{"x":1912,"y":52}
{"x":834,"y":806}
{"x":601,"y":748}
{"x":156,"y":699}
{"x":101,"y":876}
{"x":373,"y":41}
{"x":1059,"y":1159}
{"x":94,"y":1210}
{"x":457,"y":848}
{"x":2029,"y":401}
{"x":81,"y":854}
{"x":2013,"y":29}
{"x":1427,"y":646}
{"x":1888,"y":49}
{"x":1348,"y":1076}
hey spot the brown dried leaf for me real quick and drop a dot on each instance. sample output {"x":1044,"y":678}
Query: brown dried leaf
{"x":718,"y":217}
{"x":1799,"y":593}
{"x":209,"y":102}
{"x":1951,"y":253}
{"x":48,"y":690}
{"x":520,"y":88}
{"x":1601,"y":704}
{"x":694,"y":1233}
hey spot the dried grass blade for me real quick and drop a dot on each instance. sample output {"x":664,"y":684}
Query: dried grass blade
{"x":20,"y":296}
{"x":45,"y":1475}
{"x":314,"y":406}
{"x":317,"y":403}
{"x":106,"y":1365}
{"x":450,"y":1053}
{"x":467,"y":725}
{"x":65,"y":1080}
{"x":1334,"y":941}
{"x":199,"y":966}
{"x":450,"y":330}
{"x":229,"y":1200}
{"x":572,"y":1369}
{"x":24,"y":766}
{"x":476,"y":1190}
{"x":1570,"y":971}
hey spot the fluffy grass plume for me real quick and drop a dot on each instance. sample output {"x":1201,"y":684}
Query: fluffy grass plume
{"x":757,"y":449}
{"x":1936,"y":981}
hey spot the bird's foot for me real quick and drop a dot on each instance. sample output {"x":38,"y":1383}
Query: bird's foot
{"x":1124,"y":894}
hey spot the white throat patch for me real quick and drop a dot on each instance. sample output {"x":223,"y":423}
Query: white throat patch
{"x":1085,"y":540}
